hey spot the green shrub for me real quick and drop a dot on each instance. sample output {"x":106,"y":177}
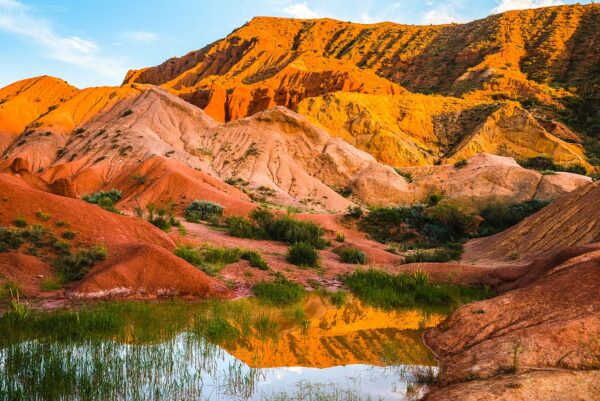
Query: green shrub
{"x":105,"y":199}
{"x":43,"y":216}
{"x":10,"y":238}
{"x":68,"y":235}
{"x":538,"y":163}
{"x":207,"y":258}
{"x":461,"y":163}
{"x":303,"y":254}
{"x":241,"y":227}
{"x":499,"y":216}
{"x":264,"y":225}
{"x":255,"y":260}
{"x":447,"y":223}
{"x":545,"y":164}
{"x":352,"y":255}
{"x":75,"y":266}
{"x":202,"y":210}
{"x":292,"y":231}
{"x":281,"y":292}
{"x":354,"y":212}
{"x":340,"y":237}
{"x":161,"y":217}
{"x":20,"y":222}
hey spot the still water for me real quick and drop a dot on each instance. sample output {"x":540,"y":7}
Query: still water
{"x":352,"y":352}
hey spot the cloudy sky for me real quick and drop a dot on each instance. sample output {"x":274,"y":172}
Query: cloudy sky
{"x":95,"y":43}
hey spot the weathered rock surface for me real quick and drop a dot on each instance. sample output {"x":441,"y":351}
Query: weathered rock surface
{"x":539,"y":341}
{"x":572,"y":220}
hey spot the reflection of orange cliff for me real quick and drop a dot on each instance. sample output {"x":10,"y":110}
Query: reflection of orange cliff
{"x":351,"y":334}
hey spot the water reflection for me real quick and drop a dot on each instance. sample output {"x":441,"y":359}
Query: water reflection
{"x":347,"y":353}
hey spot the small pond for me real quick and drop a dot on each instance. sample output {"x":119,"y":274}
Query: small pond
{"x":229,"y":351}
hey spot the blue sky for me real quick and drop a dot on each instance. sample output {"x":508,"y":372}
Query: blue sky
{"x":92,"y":43}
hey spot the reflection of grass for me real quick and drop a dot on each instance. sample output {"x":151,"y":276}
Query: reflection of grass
{"x":406,"y":290}
{"x":101,"y":350}
{"x":306,"y":390}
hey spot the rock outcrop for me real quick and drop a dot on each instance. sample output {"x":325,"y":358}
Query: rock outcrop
{"x":572,"y":220}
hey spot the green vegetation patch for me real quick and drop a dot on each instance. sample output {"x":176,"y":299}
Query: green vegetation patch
{"x":499,"y":216}
{"x":199,"y":210}
{"x":105,"y":199}
{"x":280,"y":292}
{"x":409,"y":290}
{"x":543,"y":163}
{"x":303,"y":254}
{"x":263,"y":224}
{"x":351,"y":255}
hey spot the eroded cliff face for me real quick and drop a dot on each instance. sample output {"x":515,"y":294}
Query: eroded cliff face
{"x":414,"y":129}
{"x":544,"y":59}
{"x":515,"y":51}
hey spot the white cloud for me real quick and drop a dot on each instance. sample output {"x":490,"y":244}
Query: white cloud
{"x":506,"y":5}
{"x":302,"y":11}
{"x":140,"y":36}
{"x":443,"y":14}
{"x":15,"y":19}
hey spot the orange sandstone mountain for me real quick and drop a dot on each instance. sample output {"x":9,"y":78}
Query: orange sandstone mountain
{"x":103,"y":138}
{"x":543,"y":58}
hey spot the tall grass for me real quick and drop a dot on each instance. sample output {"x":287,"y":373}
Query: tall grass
{"x":281,"y":292}
{"x":408,"y":290}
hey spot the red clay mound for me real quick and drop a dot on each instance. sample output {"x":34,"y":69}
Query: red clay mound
{"x":142,"y":270}
{"x":91,"y":224}
{"x":139,"y":263}
{"x":160,"y":181}
{"x":25,"y":270}
{"x":549,"y":325}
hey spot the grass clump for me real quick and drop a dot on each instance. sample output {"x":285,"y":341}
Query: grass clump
{"x":303,"y":254}
{"x":43,"y":216}
{"x":51,"y":284}
{"x":255,"y":259}
{"x":264,"y":225}
{"x":210,"y":260}
{"x":105,"y":199}
{"x":20,"y":222}
{"x":68,"y":235}
{"x":351,"y":255}
{"x":72,"y":267}
{"x":380,"y":289}
{"x":280,"y":292}
{"x":199,"y":210}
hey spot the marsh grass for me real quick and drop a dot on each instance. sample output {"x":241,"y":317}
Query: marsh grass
{"x":409,"y":290}
{"x":280,"y":292}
